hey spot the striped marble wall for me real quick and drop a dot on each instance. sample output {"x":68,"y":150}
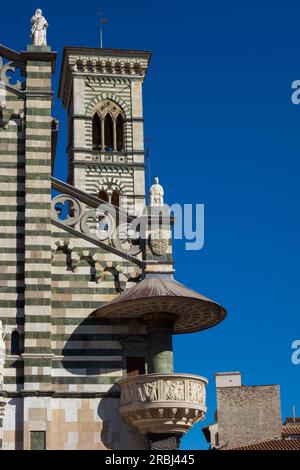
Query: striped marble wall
{"x":88,"y":352}
{"x":51,"y":282}
{"x":12,"y":218}
{"x":37,"y":314}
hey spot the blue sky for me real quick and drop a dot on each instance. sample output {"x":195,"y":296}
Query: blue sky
{"x":225,"y":133}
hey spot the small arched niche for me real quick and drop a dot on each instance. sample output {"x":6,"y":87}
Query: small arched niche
{"x":15,"y":343}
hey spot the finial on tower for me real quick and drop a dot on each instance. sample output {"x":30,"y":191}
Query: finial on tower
{"x":39,"y":27}
{"x":156,"y":194}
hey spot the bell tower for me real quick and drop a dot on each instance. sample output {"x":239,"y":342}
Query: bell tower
{"x":101,"y":90}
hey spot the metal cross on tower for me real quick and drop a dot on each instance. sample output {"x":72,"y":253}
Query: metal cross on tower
{"x":103,"y":21}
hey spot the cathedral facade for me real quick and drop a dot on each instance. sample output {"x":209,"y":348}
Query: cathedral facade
{"x":87,"y":313}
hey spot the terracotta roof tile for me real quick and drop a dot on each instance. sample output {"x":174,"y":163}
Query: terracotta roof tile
{"x":275,"y":444}
{"x":291,"y":429}
{"x":292,"y":421}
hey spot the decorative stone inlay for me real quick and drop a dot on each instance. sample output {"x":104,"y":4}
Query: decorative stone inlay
{"x":97,"y":223}
{"x":104,"y":157}
{"x":109,"y":66}
{"x":68,"y":207}
{"x":163,"y":403}
{"x":127,"y":240}
{"x":12,"y":77}
{"x":7,"y":79}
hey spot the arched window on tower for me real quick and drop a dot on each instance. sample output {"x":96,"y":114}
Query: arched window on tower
{"x":15,"y":343}
{"x":109,"y":133}
{"x":97,"y":143}
{"x":103,"y":195}
{"x":120,"y":133}
{"x":115,"y":200}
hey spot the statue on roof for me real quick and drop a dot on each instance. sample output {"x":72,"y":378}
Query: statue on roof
{"x":156,"y":194}
{"x":39,"y":27}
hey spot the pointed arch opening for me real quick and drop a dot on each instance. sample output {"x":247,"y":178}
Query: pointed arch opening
{"x":109,"y":130}
{"x":103,"y":195}
{"x":115,"y":200}
{"x":109,"y":133}
{"x":97,"y":140}
{"x":120,"y":133}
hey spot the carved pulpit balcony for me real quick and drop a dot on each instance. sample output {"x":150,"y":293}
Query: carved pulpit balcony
{"x":163,"y":403}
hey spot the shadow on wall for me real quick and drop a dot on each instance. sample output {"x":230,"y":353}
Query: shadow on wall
{"x":99,"y":353}
{"x":18,"y":405}
{"x":115,"y":433}
{"x":101,"y":362}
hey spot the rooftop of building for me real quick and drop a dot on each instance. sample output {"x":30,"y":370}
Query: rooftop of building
{"x":218,"y":374}
{"x":108,"y":52}
{"x":290,"y":438}
{"x":291,"y":430}
{"x":292,"y":421}
{"x":273,"y":444}
{"x":291,"y":427}
{"x":94,"y":55}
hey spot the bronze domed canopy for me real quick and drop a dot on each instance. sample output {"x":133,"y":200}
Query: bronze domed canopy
{"x":157,"y":294}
